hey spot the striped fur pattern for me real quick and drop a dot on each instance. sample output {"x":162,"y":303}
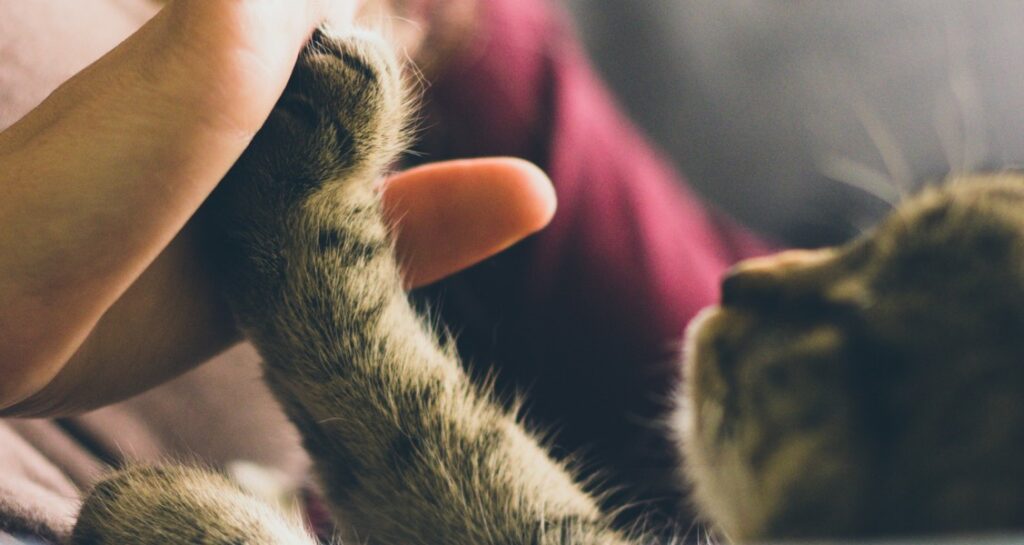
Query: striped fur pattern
{"x":406,"y":449}
{"x":874,"y":389}
{"x":871,"y":389}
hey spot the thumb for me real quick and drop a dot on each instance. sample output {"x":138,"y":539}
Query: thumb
{"x":453,"y":214}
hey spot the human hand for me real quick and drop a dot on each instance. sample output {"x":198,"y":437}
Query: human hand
{"x":99,"y":303}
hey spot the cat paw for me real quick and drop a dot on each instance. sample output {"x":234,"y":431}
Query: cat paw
{"x":171,"y":505}
{"x":338,"y":125}
{"x":345,"y":104}
{"x":341,"y":117}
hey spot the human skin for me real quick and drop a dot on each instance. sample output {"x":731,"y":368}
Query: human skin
{"x":103,"y":287}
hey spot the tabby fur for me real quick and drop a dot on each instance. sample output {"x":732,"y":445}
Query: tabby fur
{"x":872,"y":389}
{"x":869,"y":389}
{"x":406,"y":449}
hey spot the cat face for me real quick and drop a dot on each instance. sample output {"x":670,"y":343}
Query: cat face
{"x":874,"y":388}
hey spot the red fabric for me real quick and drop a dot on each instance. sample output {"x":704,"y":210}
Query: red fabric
{"x":585,"y":317}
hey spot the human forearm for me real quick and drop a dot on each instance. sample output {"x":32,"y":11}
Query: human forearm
{"x":169,"y":320}
{"x":97,"y":180}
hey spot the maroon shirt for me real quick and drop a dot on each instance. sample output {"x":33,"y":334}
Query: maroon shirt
{"x":585,"y":318}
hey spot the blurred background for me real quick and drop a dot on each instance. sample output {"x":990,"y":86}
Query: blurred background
{"x":805,"y":119}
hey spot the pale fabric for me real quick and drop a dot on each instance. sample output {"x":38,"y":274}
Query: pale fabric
{"x":45,"y":42}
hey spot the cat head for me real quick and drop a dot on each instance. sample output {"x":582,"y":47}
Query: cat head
{"x":875,"y":388}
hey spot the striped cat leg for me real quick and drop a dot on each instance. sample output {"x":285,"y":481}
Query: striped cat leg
{"x":407,"y":449}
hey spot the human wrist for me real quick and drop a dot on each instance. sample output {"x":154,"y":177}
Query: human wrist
{"x":128,"y":148}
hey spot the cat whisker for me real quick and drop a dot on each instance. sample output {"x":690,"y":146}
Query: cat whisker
{"x":958,"y":122}
{"x":898,"y":179}
{"x":861,"y":177}
{"x":895,"y":161}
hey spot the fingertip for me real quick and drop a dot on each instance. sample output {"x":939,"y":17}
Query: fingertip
{"x":518,"y":191}
{"x":453,"y":214}
{"x":531,"y":192}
